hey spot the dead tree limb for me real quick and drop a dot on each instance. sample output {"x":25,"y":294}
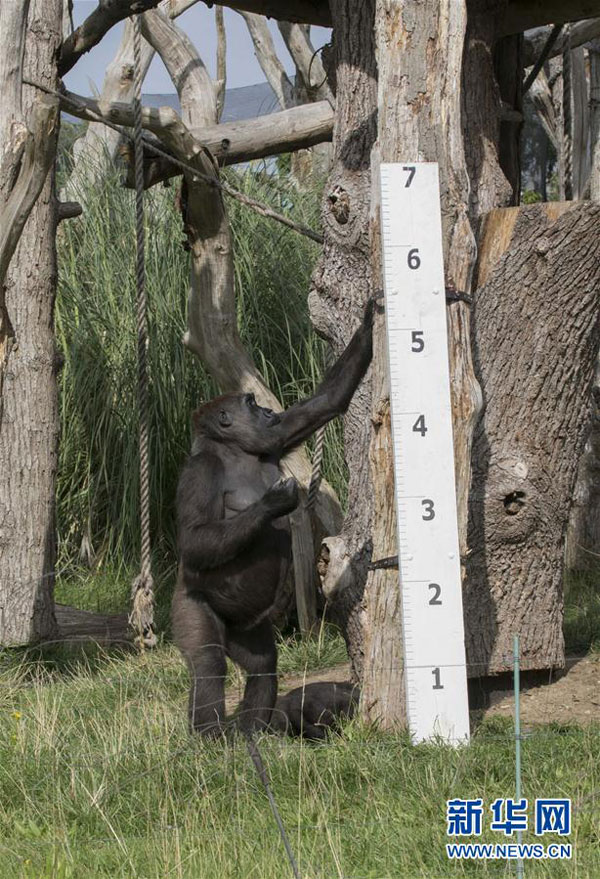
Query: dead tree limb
{"x":271,"y":66}
{"x":211,"y":300}
{"x":221,"y":80}
{"x":95,"y":26}
{"x":307,"y":61}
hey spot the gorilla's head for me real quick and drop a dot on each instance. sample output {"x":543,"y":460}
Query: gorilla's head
{"x":238,"y":420}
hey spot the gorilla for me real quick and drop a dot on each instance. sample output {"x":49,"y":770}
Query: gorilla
{"x":311,"y":711}
{"x":234,"y":540}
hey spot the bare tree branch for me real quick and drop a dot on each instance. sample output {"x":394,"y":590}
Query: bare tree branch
{"x":100,"y":142}
{"x":185,"y":67}
{"x":271,"y":66}
{"x":541,"y":95}
{"x":89,"y":34}
{"x":221,"y":80}
{"x":307,"y":61}
{"x":13,"y":27}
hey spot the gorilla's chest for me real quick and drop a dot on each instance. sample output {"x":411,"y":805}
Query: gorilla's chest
{"x":246,"y":481}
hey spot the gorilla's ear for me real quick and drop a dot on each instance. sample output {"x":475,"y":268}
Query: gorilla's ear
{"x":225,"y":419}
{"x":197,"y":418}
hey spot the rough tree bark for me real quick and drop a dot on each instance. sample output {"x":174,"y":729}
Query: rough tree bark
{"x":583,"y":535}
{"x":29,"y":416}
{"x":419,"y":118}
{"x":341,"y":284}
{"x":535,"y":338}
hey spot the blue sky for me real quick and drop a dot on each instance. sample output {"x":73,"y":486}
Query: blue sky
{"x":198,"y":23}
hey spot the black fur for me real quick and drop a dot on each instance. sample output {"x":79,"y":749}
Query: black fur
{"x":234,"y":540}
{"x":315,"y":709}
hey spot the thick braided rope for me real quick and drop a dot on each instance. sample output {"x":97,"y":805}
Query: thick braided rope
{"x":142,"y":613}
{"x":567,"y":117}
{"x":317,"y":462}
{"x":317,"y":458}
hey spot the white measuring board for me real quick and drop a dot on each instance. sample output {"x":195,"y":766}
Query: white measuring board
{"x":428,"y":552}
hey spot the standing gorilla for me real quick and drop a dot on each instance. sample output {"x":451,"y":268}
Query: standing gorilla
{"x":234,"y":537}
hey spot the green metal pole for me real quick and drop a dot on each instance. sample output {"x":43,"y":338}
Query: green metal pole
{"x":517,"y":689}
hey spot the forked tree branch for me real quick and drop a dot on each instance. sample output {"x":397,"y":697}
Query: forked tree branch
{"x":271,"y":66}
{"x":96,"y":25}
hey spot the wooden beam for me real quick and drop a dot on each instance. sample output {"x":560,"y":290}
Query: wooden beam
{"x":231,"y":142}
{"x":581,"y":33}
{"x":302,"y":11}
{"x":521,"y":15}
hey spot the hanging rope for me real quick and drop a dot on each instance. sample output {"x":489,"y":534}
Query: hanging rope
{"x":567,"y":117}
{"x":141,"y":618}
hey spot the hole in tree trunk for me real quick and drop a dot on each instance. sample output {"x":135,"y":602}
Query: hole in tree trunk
{"x":514,"y":502}
{"x":339,"y":201}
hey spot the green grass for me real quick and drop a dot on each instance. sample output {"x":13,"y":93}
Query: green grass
{"x":582,"y":611}
{"x":99,"y":778}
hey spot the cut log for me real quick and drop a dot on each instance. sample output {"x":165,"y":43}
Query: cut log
{"x":581,"y":33}
{"x":230,"y":142}
{"x":535,"y":337}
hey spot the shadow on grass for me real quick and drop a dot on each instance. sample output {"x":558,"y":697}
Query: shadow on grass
{"x":582,"y":611}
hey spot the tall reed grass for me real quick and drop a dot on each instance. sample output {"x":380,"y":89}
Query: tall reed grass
{"x":97,"y":499}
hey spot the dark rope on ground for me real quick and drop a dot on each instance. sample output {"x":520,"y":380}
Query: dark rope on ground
{"x":254,"y":204}
{"x":141,"y":618}
{"x":262,"y":774}
{"x":552,"y":38}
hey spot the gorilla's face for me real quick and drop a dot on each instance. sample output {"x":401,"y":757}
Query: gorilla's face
{"x":238,"y":420}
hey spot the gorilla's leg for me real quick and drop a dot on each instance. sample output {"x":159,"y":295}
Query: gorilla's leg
{"x":254,"y":649}
{"x":200,"y":636}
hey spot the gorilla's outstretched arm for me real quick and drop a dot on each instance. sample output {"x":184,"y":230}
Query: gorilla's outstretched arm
{"x":333,"y":395}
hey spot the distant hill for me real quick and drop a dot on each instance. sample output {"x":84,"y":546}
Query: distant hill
{"x":241,"y":103}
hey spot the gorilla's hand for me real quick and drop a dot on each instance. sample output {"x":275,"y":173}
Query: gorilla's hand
{"x":282,"y":497}
{"x":373,"y":304}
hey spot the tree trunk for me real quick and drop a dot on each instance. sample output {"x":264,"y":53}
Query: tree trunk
{"x":29,"y":416}
{"x":594,"y":56}
{"x":535,"y":337}
{"x":342,"y":282}
{"x":419,"y":116}
{"x":583,"y":535}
